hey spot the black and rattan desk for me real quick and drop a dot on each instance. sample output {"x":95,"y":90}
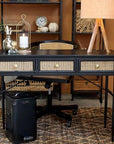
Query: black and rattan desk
{"x":60,"y":62}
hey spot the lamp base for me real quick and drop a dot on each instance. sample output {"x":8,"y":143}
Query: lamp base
{"x":98,"y":23}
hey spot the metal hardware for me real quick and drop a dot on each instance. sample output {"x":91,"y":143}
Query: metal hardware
{"x":56,"y":66}
{"x":15,"y":65}
{"x":97,"y":66}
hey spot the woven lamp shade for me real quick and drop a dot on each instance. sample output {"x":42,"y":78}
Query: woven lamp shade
{"x":99,"y":9}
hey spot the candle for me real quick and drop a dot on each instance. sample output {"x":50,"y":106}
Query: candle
{"x":23,"y":41}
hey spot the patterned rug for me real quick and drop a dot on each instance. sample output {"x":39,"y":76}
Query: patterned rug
{"x":87,"y":128}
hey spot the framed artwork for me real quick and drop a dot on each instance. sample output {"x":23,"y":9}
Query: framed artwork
{"x":84,"y":25}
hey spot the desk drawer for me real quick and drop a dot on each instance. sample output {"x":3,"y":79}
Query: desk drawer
{"x":16,"y":66}
{"x":56,"y":65}
{"x":97,"y":65}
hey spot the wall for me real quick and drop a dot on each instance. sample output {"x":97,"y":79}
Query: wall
{"x":67,"y":20}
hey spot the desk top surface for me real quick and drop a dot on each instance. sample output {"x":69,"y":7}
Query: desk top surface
{"x":76,"y":52}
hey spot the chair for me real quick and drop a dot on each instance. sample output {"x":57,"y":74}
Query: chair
{"x":55,"y":45}
{"x":49,"y":108}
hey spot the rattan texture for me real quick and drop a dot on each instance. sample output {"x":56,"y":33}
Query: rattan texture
{"x":56,"y":46}
{"x":16,"y":65}
{"x":33,"y":86}
{"x":56,"y":65}
{"x":84,"y":25}
{"x":91,"y":65}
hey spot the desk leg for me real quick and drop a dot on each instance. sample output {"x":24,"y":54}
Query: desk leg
{"x":101,"y":97}
{"x":113,"y":113}
{"x":59,"y":91}
{"x":106,"y":100}
{"x":3,"y":107}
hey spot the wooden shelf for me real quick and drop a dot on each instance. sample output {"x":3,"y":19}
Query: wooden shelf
{"x":6,"y":2}
{"x":33,"y":32}
{"x":78,"y":2}
{"x":83,"y":33}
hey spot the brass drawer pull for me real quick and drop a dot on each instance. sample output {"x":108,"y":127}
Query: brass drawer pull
{"x":97,"y":66}
{"x":15,"y":66}
{"x":56,"y":66}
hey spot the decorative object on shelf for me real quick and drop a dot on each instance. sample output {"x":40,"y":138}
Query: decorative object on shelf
{"x":14,"y":25}
{"x":41,"y":21}
{"x":13,"y":50}
{"x":84,"y":25}
{"x":81,"y":46}
{"x":53,"y":27}
{"x":24,"y":37}
{"x":99,"y":10}
{"x":23,"y":40}
{"x":42,"y":29}
{"x":7,"y":41}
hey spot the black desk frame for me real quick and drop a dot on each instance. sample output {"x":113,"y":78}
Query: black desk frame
{"x":76,"y":57}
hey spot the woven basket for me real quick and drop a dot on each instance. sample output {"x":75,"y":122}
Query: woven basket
{"x":84,"y":25}
{"x":33,"y":86}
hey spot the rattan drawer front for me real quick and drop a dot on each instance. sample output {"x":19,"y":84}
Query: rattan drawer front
{"x":97,"y":66}
{"x":16,"y":66}
{"x":56,"y":65}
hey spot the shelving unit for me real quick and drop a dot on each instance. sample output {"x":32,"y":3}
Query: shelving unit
{"x":14,"y":9}
{"x":80,"y":85}
{"x":55,"y":15}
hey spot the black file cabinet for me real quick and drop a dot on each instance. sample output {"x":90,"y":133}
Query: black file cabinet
{"x":20,"y":117}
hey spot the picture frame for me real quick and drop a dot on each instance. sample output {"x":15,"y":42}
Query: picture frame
{"x":84,"y":25}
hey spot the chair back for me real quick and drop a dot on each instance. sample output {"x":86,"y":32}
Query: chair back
{"x":54,"y":45}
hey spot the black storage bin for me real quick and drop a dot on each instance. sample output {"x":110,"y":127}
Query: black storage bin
{"x":20,"y":117}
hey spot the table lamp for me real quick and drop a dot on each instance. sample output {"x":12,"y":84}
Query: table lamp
{"x":99,"y":10}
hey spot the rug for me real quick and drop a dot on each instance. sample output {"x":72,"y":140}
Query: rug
{"x":87,"y":128}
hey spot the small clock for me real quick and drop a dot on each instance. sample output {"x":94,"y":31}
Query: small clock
{"x":41,"y":21}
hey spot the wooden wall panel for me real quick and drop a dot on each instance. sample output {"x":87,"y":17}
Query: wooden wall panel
{"x":67,"y":20}
{"x":109,"y":24}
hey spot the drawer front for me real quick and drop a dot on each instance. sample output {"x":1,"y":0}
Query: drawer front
{"x":16,"y":66}
{"x":56,"y":65}
{"x":97,"y":65}
{"x":85,"y":85}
